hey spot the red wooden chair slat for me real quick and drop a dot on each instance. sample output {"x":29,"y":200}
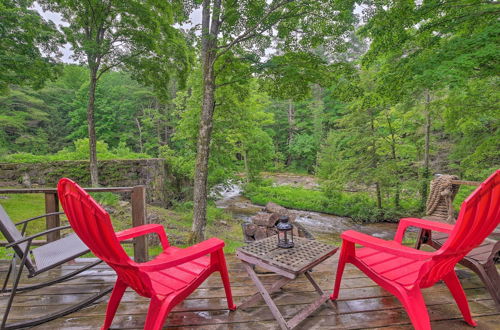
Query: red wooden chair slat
{"x":166,"y":280}
{"x":404,"y":271}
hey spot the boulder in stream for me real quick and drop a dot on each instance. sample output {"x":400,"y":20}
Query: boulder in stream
{"x":263,"y":224}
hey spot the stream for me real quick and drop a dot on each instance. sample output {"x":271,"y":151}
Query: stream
{"x":325,"y":227}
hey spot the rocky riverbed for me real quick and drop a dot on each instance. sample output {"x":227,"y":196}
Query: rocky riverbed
{"x":325,"y":227}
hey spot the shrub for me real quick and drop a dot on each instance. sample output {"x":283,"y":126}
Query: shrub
{"x":106,"y":198}
{"x":359,"y":206}
{"x":79,"y":151}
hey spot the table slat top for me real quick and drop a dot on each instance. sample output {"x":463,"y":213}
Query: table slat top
{"x":304,"y":254}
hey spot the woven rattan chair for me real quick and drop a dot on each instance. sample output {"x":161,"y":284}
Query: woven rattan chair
{"x":39,"y":260}
{"x":481,"y":260}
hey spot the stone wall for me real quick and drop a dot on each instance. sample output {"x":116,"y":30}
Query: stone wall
{"x":112,"y":173}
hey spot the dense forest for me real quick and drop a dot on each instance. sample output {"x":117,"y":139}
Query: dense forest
{"x":372,"y":96}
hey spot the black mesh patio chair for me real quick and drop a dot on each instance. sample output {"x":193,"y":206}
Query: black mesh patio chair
{"x":39,"y":260}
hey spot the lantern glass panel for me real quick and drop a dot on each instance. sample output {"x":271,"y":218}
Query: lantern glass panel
{"x":285,"y":233}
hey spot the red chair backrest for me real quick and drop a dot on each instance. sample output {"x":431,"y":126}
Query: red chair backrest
{"x":93,"y":225}
{"x":479,"y":216}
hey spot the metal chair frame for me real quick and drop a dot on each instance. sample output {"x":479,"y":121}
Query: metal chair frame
{"x":16,"y":268}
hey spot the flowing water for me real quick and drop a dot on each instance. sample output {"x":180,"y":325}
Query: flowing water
{"x":325,"y":227}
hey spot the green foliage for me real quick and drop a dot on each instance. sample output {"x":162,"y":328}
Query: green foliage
{"x":79,"y":151}
{"x":177,"y":223}
{"x":358,"y":206}
{"x":377,"y":139}
{"x":25,"y":206}
{"x":23,"y":122}
{"x":134,"y":34}
{"x":326,"y":102}
{"x":307,"y":130}
{"x":213,"y":213}
{"x":182,"y":166}
{"x":433,"y":44}
{"x":31,"y":118}
{"x":238,"y":132}
{"x":127,"y":114}
{"x":366,"y":147}
{"x":106,"y":198}
{"x":291,"y":75}
{"x":28,"y":47}
{"x":122,"y":110}
{"x":220,"y":224}
{"x":471,"y":116}
{"x":462,"y":194}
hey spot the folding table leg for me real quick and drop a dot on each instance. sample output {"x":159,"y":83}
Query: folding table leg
{"x":272,"y":289}
{"x":267,"y":298}
{"x":317,"y":288}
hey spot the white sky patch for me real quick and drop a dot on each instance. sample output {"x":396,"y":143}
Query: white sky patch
{"x":58,"y":21}
{"x":194,"y":21}
{"x":66,"y":50}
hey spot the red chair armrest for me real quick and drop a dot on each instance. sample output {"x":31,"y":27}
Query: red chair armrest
{"x":384,"y":246}
{"x":421,"y":223}
{"x":143,"y":230}
{"x":184,"y":255}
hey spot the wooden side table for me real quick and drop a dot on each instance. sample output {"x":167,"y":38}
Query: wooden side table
{"x":289,"y":263}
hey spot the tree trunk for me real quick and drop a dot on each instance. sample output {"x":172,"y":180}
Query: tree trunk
{"x":379,"y":195}
{"x":426,"y":172}
{"x":210,"y":30}
{"x":202,"y":155}
{"x":94,"y":175}
{"x":317,"y":114}
{"x":397,"y":194}
{"x":291,"y":129}
{"x":375,"y":158}
{"x":394,"y":157}
{"x":138,"y":123}
{"x":169,"y":110}
{"x":159,"y":122}
{"x":247,"y":170}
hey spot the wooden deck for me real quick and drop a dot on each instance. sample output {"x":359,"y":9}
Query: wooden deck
{"x":362,"y":304}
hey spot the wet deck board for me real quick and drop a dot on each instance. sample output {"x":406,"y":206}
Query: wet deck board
{"x":362,"y":304}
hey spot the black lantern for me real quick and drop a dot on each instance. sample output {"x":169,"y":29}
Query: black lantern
{"x":285,"y":233}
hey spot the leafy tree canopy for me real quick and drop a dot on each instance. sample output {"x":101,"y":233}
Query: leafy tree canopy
{"x":431,"y":44}
{"x":136,"y":34}
{"x":28,"y":45}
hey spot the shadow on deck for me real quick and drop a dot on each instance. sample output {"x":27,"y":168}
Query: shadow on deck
{"x":362,"y":304}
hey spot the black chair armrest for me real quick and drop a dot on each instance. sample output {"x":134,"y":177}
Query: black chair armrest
{"x":38,"y":217}
{"x":43,"y":233}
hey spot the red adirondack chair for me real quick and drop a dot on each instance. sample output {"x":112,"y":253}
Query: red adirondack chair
{"x":167,"y":280}
{"x":404,"y":271}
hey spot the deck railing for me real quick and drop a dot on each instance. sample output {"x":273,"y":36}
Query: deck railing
{"x":467,"y":183}
{"x":137,"y":201}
